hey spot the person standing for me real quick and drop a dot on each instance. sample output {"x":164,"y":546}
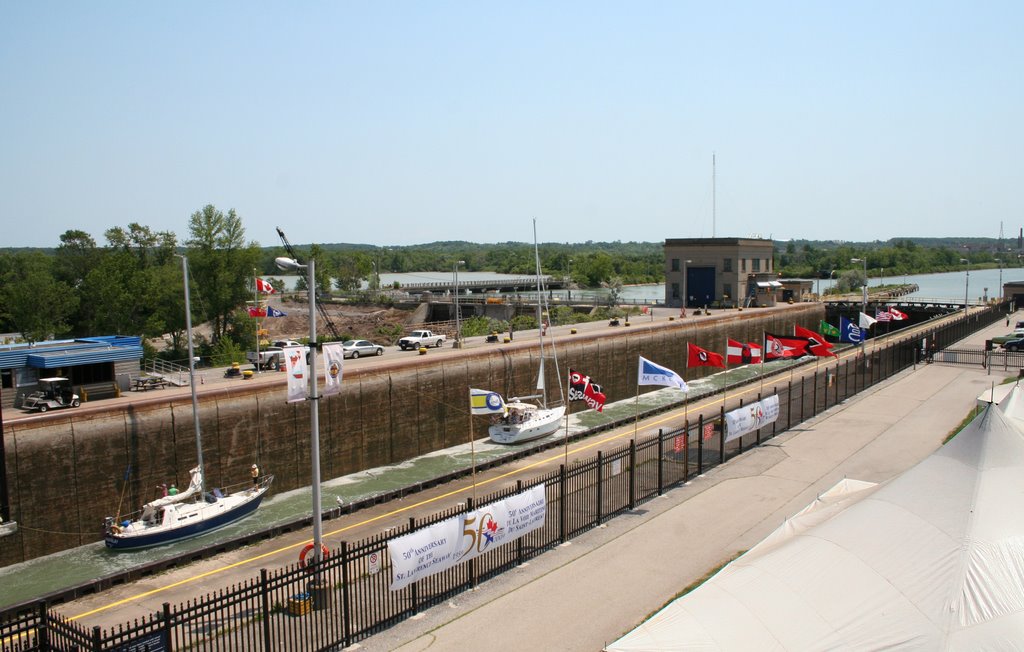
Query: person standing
{"x":255,"y":473}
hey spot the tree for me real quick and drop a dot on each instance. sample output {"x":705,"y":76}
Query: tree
{"x":37,"y":304}
{"x":221,"y":263}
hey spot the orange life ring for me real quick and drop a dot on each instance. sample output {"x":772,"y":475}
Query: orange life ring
{"x":324,"y":553}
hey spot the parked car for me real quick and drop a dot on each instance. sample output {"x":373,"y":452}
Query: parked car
{"x":52,"y":393}
{"x":356,"y":348}
{"x":1014,"y":345}
{"x":1002,"y":339}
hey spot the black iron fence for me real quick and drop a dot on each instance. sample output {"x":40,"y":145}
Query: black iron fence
{"x":347,"y":597}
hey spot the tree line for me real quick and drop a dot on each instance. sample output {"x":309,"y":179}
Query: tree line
{"x":131,"y":283}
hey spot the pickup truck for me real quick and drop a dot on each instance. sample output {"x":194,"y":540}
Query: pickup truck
{"x":272,"y":357}
{"x":420,"y":339}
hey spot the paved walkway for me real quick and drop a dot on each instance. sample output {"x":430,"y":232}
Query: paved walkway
{"x":589,"y":593}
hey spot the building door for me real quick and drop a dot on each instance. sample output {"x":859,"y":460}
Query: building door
{"x":700,"y":286}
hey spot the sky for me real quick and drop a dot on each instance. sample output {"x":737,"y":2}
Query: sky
{"x":399,"y":123}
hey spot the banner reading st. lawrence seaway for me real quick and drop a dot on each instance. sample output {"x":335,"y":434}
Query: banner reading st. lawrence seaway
{"x":751,"y":417}
{"x":439,"y":547}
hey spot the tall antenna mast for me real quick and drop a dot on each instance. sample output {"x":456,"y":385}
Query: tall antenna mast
{"x":713,"y":206}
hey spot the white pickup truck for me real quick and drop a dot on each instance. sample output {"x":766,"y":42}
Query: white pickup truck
{"x":272,"y":357}
{"x":420,"y":339}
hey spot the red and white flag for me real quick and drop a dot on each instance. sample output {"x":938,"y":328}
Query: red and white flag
{"x":777,"y":347}
{"x":742,"y":352}
{"x":709,"y":430}
{"x":897,"y":315}
{"x":263,"y":286}
{"x":883,"y":315}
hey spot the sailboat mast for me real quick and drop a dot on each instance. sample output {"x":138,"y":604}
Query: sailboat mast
{"x":541,"y":385}
{"x":192,"y":380}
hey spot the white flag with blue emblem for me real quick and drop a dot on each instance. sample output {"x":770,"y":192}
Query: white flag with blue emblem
{"x":482,"y":401}
{"x":334,"y":367}
{"x":653,"y":374}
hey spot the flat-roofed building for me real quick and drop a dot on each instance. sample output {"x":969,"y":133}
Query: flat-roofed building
{"x":719,"y":271}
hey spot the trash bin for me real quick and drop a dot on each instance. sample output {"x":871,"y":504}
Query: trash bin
{"x":320,"y":593}
{"x":299,"y":604}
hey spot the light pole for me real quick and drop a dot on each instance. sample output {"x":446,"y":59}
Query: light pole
{"x":864,"y":300}
{"x":458,"y":328}
{"x":568,"y":281}
{"x":686,"y":297}
{"x":1000,"y":261}
{"x":967,"y":282}
{"x":291,"y":265}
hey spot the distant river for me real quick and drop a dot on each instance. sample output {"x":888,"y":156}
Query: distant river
{"x":947,"y":286}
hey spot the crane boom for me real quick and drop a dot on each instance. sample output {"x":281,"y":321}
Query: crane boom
{"x":304,"y":272}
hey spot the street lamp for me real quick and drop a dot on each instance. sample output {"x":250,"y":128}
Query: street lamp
{"x":568,"y":282}
{"x":686,"y":297}
{"x":458,"y":329}
{"x":967,"y":282}
{"x":1000,"y":261}
{"x":863,"y":304}
{"x":291,"y":265}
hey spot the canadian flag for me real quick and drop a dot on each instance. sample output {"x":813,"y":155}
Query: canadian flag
{"x":263,"y":286}
{"x":897,"y":315}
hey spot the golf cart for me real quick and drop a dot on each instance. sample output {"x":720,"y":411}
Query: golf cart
{"x":52,"y":393}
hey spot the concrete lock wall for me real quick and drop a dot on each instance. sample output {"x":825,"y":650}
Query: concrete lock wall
{"x":65,"y":475}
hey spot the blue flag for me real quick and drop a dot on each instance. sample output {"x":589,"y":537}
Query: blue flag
{"x":274,"y":312}
{"x":850,"y":332}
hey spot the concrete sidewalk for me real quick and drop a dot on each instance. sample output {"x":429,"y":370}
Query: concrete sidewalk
{"x":590,"y":592}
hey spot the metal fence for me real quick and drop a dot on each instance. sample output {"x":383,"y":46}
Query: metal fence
{"x":347,"y":597}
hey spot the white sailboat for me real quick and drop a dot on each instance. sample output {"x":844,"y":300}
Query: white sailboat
{"x":524,"y":421}
{"x":193,"y":511}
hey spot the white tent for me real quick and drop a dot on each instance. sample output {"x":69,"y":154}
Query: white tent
{"x":931,"y":560}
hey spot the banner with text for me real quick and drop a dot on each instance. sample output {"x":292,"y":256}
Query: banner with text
{"x":751,"y":417}
{"x":440,"y":546}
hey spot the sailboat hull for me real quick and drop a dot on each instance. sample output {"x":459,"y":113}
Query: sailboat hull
{"x":190,"y":520}
{"x":542,"y":422}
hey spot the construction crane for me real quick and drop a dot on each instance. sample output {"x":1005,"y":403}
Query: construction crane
{"x":310,"y":284}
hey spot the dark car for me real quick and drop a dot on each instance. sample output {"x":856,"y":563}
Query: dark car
{"x":1014,"y":345}
{"x":356,"y":348}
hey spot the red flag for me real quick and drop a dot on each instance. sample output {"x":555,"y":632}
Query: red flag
{"x":783,"y":346}
{"x":897,"y":315}
{"x":257,"y":312}
{"x":742,"y":353}
{"x":816,"y":342}
{"x":581,"y":388}
{"x":698,"y":357}
{"x":263,"y":286}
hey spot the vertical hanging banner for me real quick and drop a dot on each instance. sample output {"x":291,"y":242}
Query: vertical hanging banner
{"x":295,"y":365}
{"x":442,"y":545}
{"x":334,"y":365}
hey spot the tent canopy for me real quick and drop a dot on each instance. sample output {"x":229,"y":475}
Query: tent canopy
{"x":933,"y":559}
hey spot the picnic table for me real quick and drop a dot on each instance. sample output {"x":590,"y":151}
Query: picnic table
{"x":145,"y":383}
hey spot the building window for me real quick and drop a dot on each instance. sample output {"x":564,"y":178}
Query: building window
{"x":755,"y":265}
{"x":768,"y":264}
{"x":727,"y":264}
{"x":726,"y":290}
{"x":675,"y":290}
{"x":675,"y":264}
{"x":743,"y":264}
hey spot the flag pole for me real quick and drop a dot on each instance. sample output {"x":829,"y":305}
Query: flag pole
{"x":472,"y":455}
{"x":256,"y":305}
{"x":636,"y":409}
{"x":568,"y":404}
{"x":764,"y":350}
{"x":725,"y":376}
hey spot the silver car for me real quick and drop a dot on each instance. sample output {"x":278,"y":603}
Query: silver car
{"x":356,"y":348}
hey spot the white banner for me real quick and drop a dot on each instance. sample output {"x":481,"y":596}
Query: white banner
{"x":751,"y":417}
{"x":295,"y":365}
{"x":440,"y":546}
{"x":334,"y":365}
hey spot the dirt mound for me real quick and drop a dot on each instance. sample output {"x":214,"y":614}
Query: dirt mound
{"x":374,"y":323}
